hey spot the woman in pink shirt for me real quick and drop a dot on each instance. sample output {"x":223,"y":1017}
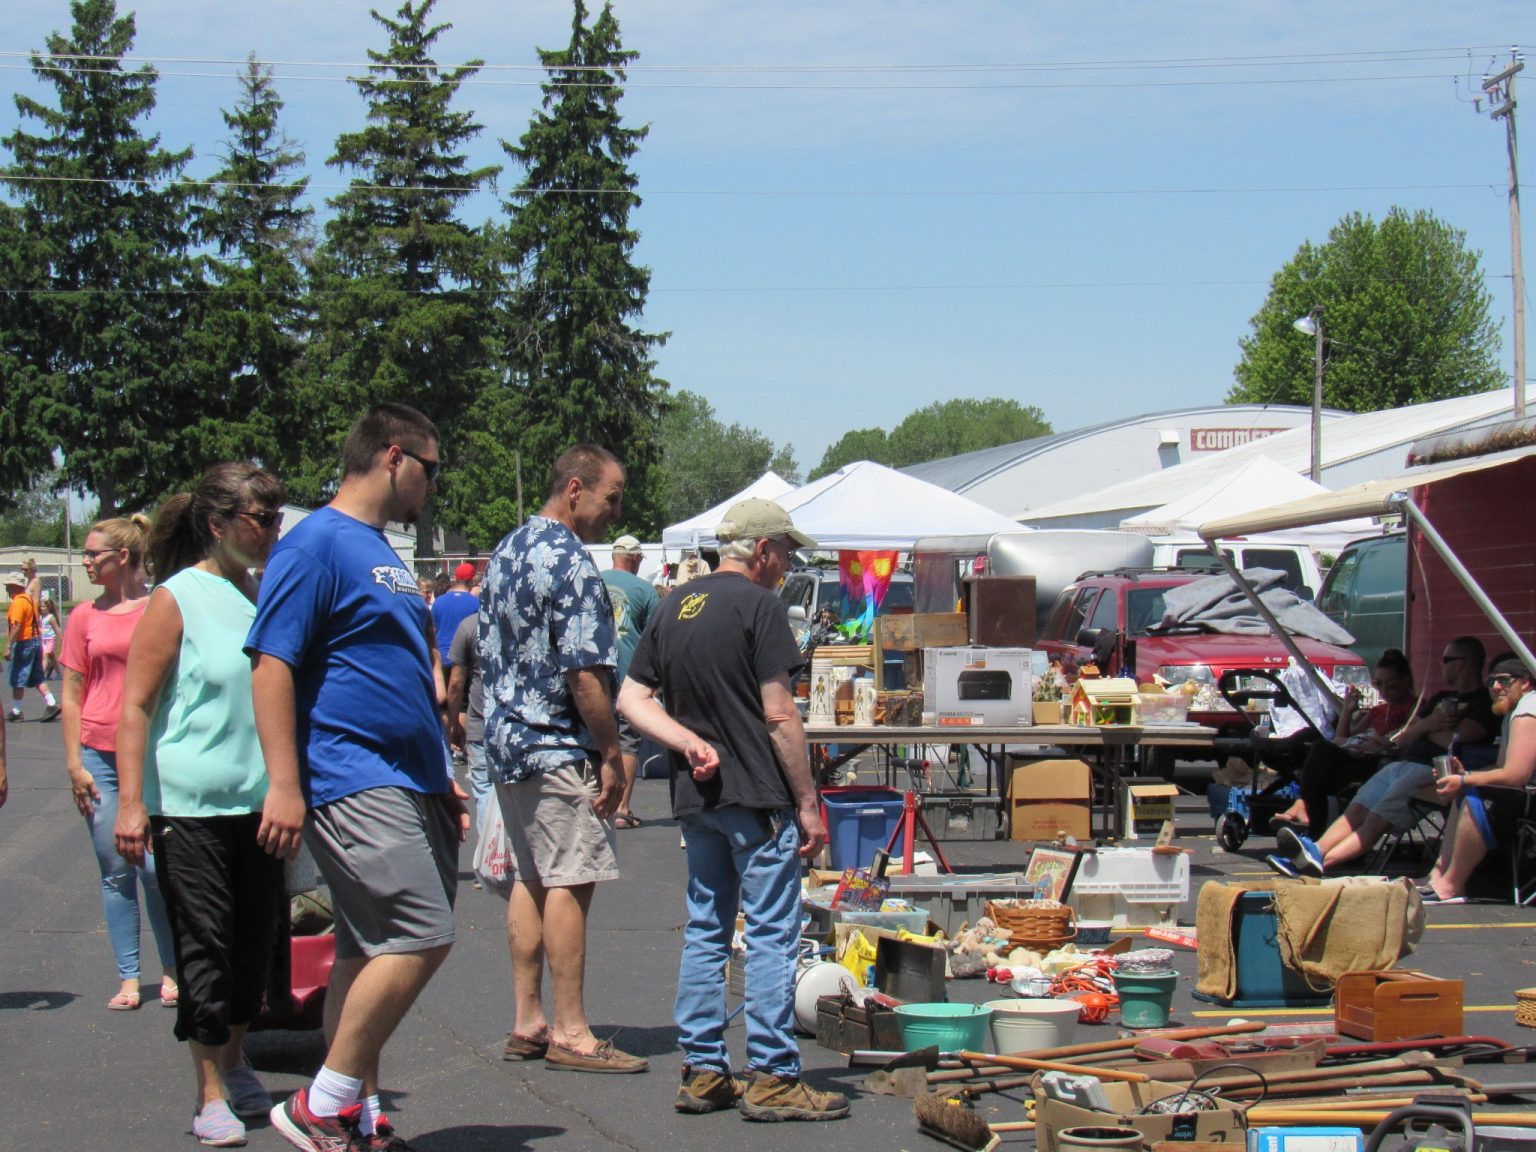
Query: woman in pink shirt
{"x":95,"y":659}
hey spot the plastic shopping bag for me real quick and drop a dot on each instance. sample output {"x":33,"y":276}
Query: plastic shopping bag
{"x":493,"y":851}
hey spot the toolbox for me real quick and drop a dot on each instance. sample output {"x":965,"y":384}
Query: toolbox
{"x":843,"y":1026}
{"x":1400,"y":1004}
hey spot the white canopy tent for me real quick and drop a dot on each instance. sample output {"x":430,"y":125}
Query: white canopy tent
{"x":1259,"y":483}
{"x":699,"y":531}
{"x":865,"y":505}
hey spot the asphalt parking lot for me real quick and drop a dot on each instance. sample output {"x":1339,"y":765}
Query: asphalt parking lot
{"x":73,"y":1075}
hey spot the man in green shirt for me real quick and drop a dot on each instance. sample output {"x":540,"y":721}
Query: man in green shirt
{"x":633,"y":601}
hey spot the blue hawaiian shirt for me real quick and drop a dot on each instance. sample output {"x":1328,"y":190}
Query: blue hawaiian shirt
{"x":545,"y":612}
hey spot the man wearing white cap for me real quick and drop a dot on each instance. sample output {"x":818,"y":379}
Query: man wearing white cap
{"x":24,"y":648}
{"x":633,"y":601}
{"x":719,"y":652}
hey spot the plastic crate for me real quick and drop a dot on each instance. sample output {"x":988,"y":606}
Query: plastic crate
{"x":824,"y":917}
{"x":1262,"y":976}
{"x":1133,"y":887}
{"x":859,"y":823}
{"x":955,"y":900}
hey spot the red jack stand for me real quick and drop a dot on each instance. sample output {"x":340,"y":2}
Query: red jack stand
{"x":906,"y":831}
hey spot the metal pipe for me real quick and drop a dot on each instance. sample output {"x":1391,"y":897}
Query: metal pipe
{"x":1415,"y":514}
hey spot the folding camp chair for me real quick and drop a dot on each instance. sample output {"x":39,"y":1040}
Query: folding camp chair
{"x":1424,"y":832}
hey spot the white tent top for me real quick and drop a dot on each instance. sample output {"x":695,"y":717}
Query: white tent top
{"x":865,"y":505}
{"x":699,"y":531}
{"x":1374,"y":498}
{"x":1259,"y":483}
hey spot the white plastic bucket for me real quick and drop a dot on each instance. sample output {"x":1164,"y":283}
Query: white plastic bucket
{"x":1022,"y":1026}
{"x":812,"y":981}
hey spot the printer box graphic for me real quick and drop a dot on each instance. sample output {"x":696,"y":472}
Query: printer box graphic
{"x":978,"y":687}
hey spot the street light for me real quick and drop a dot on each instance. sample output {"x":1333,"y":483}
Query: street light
{"x":1312,"y":325}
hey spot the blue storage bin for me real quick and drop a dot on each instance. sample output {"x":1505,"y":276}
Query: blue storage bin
{"x":1261,"y":975}
{"x":859,"y":823}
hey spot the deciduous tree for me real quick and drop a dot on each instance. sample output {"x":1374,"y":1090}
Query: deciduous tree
{"x":1405,"y":316}
{"x":943,"y":428}
{"x":704,"y":461}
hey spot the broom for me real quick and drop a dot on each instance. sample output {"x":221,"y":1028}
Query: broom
{"x":953,"y":1121}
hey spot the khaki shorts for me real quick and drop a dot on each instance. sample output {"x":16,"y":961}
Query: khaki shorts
{"x":556,"y":836}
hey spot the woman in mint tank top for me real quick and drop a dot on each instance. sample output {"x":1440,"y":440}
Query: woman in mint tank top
{"x":193,"y":781}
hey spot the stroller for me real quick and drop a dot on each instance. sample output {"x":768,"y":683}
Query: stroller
{"x":1249,"y":809}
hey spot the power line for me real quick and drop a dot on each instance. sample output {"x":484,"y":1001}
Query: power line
{"x":847,"y":193}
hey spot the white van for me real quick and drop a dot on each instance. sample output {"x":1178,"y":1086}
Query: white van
{"x":1295,"y":559}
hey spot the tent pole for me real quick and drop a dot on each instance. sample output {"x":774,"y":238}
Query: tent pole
{"x":1275,"y":626}
{"x":1459,"y":570}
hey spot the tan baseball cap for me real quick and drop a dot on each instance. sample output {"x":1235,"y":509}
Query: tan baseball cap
{"x":754,"y":519}
{"x":15,"y":580}
{"x":626,"y":544}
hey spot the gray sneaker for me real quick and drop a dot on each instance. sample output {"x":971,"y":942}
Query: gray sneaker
{"x":246,"y":1095}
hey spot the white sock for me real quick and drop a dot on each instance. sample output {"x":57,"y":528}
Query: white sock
{"x":331,"y":1092}
{"x":47,"y":697}
{"x":369,"y":1120}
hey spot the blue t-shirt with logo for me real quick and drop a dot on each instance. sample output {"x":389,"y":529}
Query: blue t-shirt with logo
{"x":340,"y":609}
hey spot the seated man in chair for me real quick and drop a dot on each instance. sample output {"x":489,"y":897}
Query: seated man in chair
{"x":1463,"y":713}
{"x":1487,"y":804}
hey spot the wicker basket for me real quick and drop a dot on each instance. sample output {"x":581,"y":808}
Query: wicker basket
{"x":1525,"y":1007}
{"x":1039,"y":925}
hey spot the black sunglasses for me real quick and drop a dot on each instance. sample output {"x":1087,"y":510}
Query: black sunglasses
{"x":264,"y":519}
{"x":1503,"y":679}
{"x":430,"y":467}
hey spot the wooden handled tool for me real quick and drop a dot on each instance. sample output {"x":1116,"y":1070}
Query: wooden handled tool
{"x":1030,"y":1064}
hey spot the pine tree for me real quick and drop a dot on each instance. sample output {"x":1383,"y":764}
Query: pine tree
{"x":583,"y":371}
{"x":403,"y":285}
{"x":103,"y":363}
{"x":254,"y":319}
{"x":24,"y":442}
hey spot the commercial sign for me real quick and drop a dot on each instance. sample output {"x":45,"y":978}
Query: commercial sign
{"x":1215,"y":439}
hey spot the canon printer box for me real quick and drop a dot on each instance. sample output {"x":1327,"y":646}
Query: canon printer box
{"x":985,"y":687}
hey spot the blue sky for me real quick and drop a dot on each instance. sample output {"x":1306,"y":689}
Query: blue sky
{"x":853,"y":209}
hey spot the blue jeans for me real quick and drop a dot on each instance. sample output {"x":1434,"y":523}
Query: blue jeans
{"x":120,"y":879}
{"x":480,"y":789}
{"x":748,"y":857}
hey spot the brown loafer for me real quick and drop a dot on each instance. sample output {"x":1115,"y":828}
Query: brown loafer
{"x":604,"y":1058}
{"x":522,"y":1048}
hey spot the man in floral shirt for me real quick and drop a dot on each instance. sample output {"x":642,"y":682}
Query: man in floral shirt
{"x":548,"y":649}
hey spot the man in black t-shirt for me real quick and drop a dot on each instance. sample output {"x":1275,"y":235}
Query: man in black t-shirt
{"x":720,"y":653}
{"x":1462,"y":713}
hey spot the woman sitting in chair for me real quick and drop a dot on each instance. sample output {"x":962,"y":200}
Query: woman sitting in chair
{"x":1487,"y":804}
{"x":1358,"y":742}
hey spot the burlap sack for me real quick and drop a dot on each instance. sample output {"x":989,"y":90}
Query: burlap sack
{"x":1327,"y":928}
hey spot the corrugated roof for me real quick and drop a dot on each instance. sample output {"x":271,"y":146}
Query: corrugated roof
{"x":958,"y":473}
{"x":1345,"y":441}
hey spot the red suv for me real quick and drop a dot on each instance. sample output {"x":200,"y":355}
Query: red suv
{"x":1090,"y":612}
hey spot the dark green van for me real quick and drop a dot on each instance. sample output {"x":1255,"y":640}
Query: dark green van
{"x":1364,"y":592}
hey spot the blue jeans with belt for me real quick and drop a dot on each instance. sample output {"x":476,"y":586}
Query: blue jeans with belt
{"x":746,"y":858}
{"x":120,"y":880}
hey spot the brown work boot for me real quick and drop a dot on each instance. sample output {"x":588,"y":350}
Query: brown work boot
{"x":604,"y":1058}
{"x":708,"y":1090}
{"x":773,"y":1098}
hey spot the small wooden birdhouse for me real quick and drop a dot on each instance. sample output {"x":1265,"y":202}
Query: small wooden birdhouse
{"x":1109,"y":700}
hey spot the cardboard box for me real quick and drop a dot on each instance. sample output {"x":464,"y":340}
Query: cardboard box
{"x":1222,"y":1124}
{"x":965,"y":687}
{"x":1049,"y":797}
{"x":1148,"y":805}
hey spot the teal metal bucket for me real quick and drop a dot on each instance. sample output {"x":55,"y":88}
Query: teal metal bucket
{"x":950,"y":1027}
{"x":1145,"y":997}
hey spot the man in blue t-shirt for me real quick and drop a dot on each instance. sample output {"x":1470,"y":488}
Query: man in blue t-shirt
{"x":450,"y":610}
{"x":346,"y":709}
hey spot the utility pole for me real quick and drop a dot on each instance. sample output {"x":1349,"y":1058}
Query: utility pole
{"x":1500,"y":91}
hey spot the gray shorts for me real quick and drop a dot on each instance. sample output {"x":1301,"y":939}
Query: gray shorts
{"x":390,"y":857}
{"x":629,"y":739}
{"x":556,"y":835}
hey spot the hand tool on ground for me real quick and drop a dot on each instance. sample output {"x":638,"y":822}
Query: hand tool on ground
{"x":1029,"y":1064}
{"x":953,"y":1121}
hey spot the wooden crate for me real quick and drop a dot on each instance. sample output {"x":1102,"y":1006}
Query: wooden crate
{"x":923,"y":630}
{"x":1400,"y":1004}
